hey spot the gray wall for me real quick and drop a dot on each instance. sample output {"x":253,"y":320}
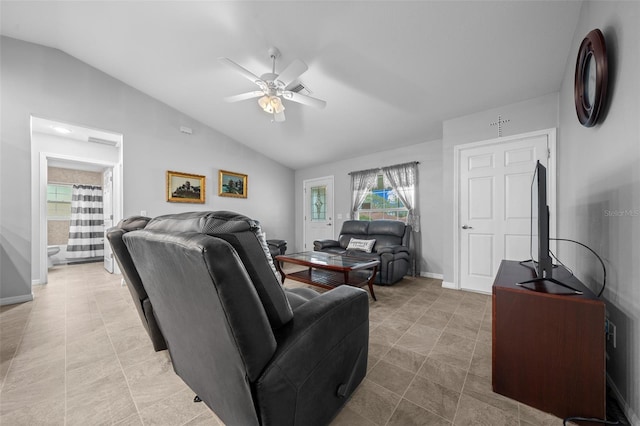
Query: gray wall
{"x":535,"y":114}
{"x":429,"y":154}
{"x":48,"y":83}
{"x":599,"y":186}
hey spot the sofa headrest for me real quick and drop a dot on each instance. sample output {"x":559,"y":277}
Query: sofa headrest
{"x":206,"y":222}
{"x":133,"y":223}
{"x":358,"y":227}
{"x":387,"y":227}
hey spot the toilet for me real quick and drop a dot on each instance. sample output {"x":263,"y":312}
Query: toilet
{"x":51,"y":251}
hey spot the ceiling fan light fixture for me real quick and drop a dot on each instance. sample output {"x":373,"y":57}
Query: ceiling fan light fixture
{"x":265,"y":104}
{"x":271,"y":104}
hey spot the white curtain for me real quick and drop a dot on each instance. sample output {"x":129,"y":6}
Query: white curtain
{"x":404,"y":180}
{"x":361,"y":184}
{"x":86,"y":229}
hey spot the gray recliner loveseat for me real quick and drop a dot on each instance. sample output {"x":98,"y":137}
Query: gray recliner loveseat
{"x":391,"y":246}
{"x":254,"y":352}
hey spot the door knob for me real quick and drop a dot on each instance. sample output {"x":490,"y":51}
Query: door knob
{"x":328,"y":224}
{"x":467,"y":227}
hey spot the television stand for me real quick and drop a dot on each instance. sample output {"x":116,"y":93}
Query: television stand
{"x":551,"y":280}
{"x":548,"y":350}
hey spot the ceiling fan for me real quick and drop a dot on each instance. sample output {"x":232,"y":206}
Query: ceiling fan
{"x":273,"y":86}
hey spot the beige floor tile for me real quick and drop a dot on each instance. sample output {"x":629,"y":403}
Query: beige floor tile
{"x":404,"y":358}
{"x":176,"y":409}
{"x":454,"y":350}
{"x":409,"y":414}
{"x":444,"y":374}
{"x":481,"y":360}
{"x":464,"y":326}
{"x":391,"y":377}
{"x":374,"y":402}
{"x":421,"y":344}
{"x":51,"y":373}
{"x":435,"y":318}
{"x":474,"y":412}
{"x":38,"y":402}
{"x":481,"y":389}
{"x":152,"y":382}
{"x":348,"y":417}
{"x":205,"y":419}
{"x":106,"y":400}
{"x":536,"y":417}
{"x":434,"y":397}
{"x":49,"y":411}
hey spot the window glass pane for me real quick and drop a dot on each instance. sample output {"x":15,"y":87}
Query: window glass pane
{"x":318,"y":206}
{"x":382,"y":202}
{"x":59,"y":201}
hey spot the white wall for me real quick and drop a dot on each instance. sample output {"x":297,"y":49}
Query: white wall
{"x":534,"y":114}
{"x":430,"y":193}
{"x":599,"y":187}
{"x":44,"y":82}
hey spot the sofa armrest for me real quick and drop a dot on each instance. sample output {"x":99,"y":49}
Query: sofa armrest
{"x":393,"y":249}
{"x":321,"y":356}
{"x":319,"y":245}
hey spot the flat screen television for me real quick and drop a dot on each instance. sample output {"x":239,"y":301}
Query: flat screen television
{"x":540,"y":221}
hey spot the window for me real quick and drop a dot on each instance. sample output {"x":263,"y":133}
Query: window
{"x":59,"y":201}
{"x":382,"y":202}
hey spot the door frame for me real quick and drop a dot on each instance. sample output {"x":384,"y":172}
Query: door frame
{"x":551,"y":183}
{"x":117,"y":195}
{"x":305,"y":182}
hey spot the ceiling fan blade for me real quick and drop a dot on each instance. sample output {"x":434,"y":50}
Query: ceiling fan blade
{"x":294,"y":70}
{"x":279,"y":117}
{"x":304,"y":99}
{"x":241,"y":70}
{"x":244,"y":96}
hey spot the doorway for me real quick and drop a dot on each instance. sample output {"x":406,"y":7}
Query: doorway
{"x":493,"y":204}
{"x":318,"y":210}
{"x":74,"y":148}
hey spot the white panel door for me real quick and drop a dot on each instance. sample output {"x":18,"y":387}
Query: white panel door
{"x":318,"y":211}
{"x":495,"y":206}
{"x":107,"y":208}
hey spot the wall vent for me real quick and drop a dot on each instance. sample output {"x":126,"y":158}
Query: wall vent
{"x":102,"y":141}
{"x":300,"y":88}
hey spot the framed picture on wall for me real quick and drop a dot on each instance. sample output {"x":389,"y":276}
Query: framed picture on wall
{"x":232,"y":184}
{"x":185,"y":187}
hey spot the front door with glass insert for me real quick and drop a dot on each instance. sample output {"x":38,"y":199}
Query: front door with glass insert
{"x":318,"y":211}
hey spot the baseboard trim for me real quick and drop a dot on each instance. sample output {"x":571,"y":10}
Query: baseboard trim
{"x":16,"y":299}
{"x":452,"y":286}
{"x":431,"y":275}
{"x":633,"y":418}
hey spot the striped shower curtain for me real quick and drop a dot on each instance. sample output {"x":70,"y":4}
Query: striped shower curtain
{"x":86,"y":230}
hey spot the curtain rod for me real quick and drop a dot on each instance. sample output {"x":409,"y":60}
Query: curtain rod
{"x":380,"y":168}
{"x":53,"y":182}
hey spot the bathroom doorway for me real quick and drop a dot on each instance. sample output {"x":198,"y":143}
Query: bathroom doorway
{"x":71,"y":165}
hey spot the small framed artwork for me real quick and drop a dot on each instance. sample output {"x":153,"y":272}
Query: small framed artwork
{"x":185,"y":187}
{"x":232,"y":184}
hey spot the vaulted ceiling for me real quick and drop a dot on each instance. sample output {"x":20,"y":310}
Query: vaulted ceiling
{"x":390,"y":71}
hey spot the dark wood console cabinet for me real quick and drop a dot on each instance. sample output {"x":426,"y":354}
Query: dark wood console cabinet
{"x":548,"y":345}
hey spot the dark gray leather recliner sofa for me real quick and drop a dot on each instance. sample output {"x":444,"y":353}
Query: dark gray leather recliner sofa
{"x":132,"y":279}
{"x":391,"y":246}
{"x":253,"y":352}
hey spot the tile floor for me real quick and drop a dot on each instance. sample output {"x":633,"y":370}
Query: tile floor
{"x":78,"y":355}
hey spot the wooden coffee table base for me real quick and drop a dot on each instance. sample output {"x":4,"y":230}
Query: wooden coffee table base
{"x":331,"y":279}
{"x":321,"y":276}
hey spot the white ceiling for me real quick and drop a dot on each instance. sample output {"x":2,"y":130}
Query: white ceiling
{"x":390,"y":71}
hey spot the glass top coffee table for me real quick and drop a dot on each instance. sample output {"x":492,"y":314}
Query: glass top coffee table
{"x":330,"y":270}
